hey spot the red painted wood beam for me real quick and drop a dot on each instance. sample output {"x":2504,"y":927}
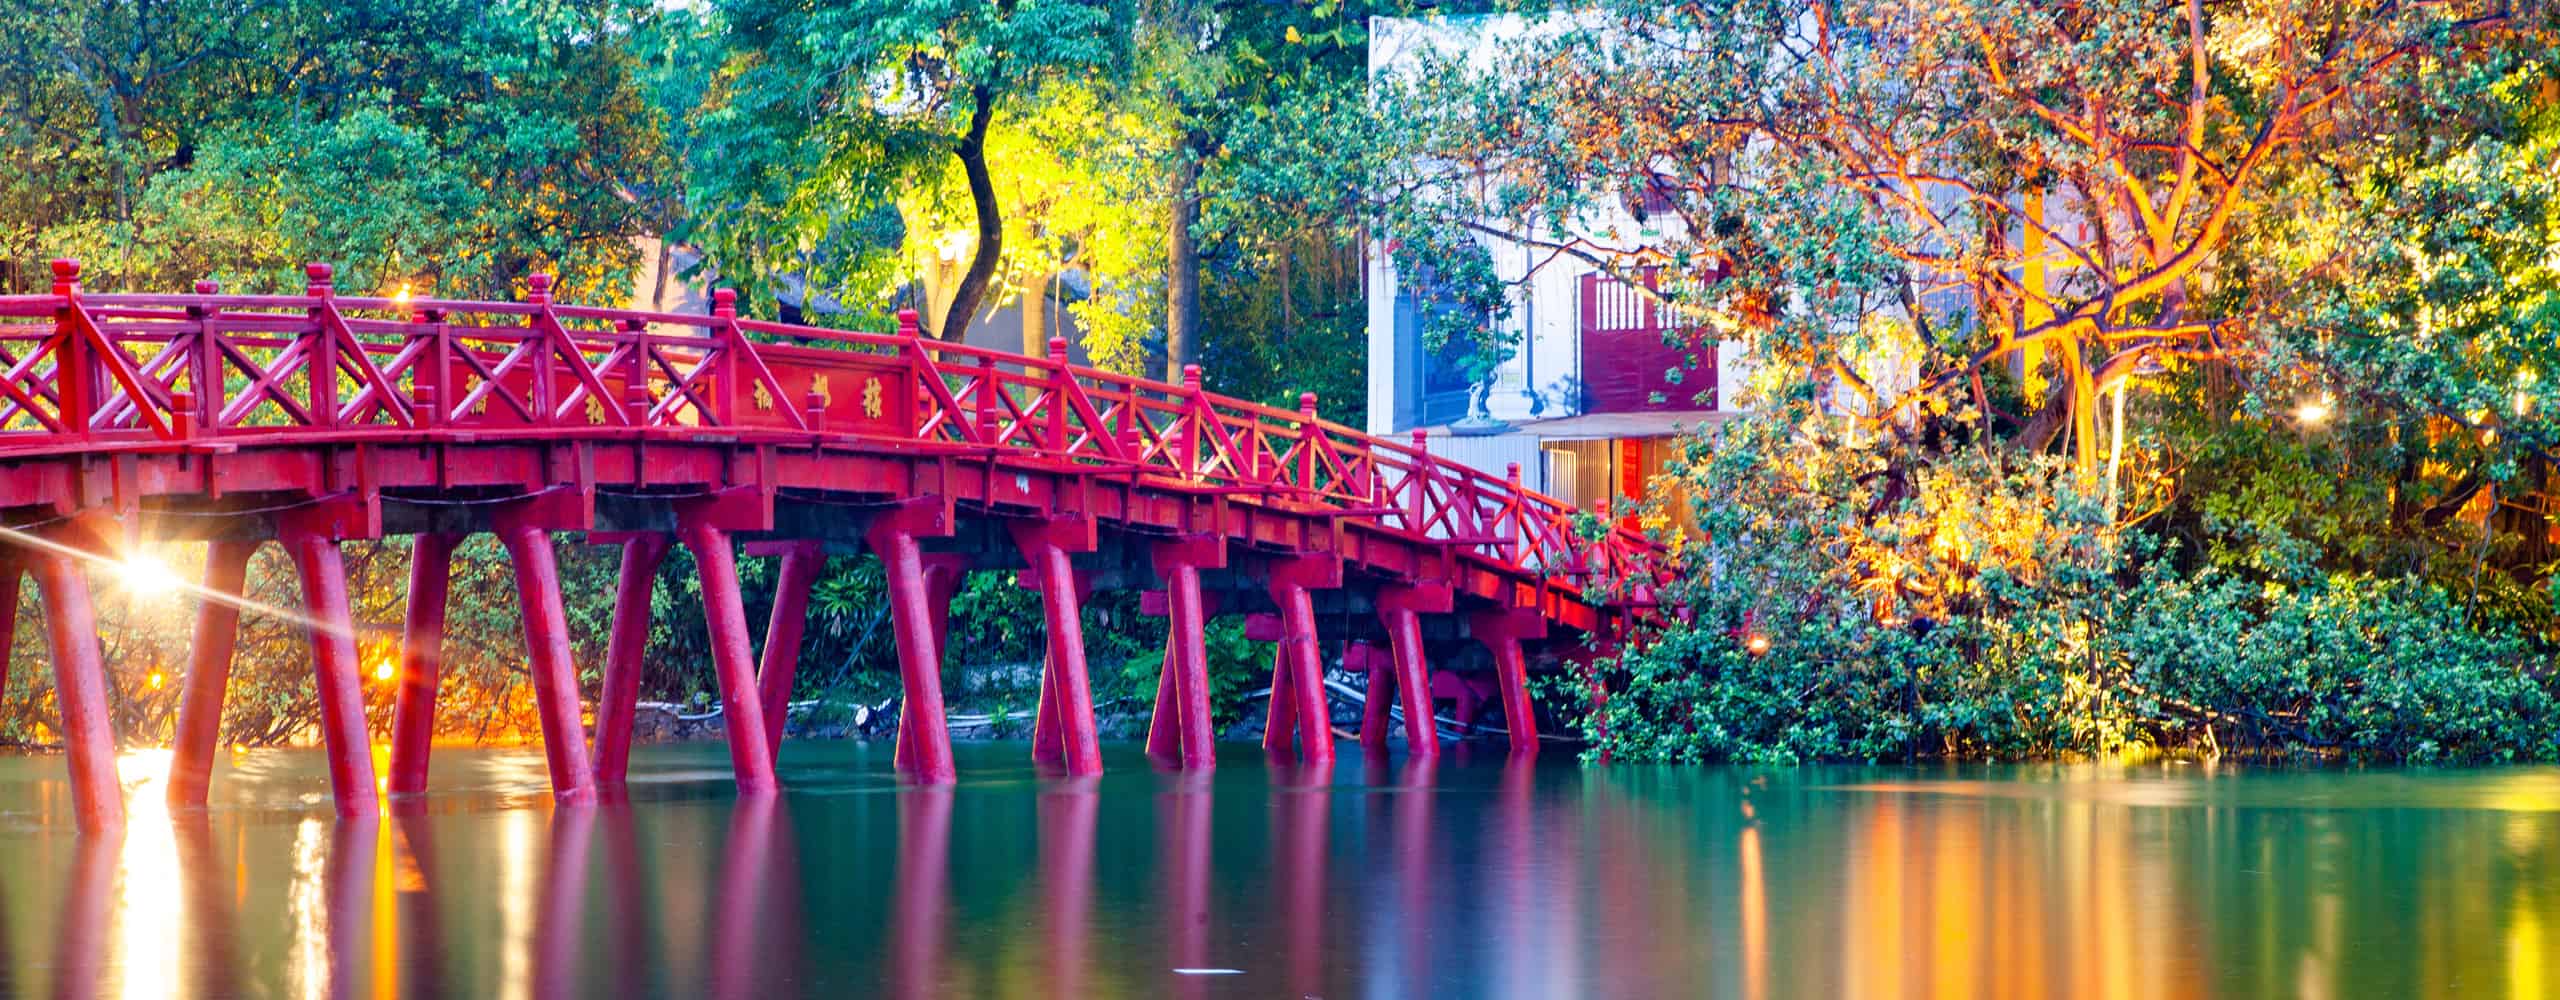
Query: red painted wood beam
{"x":1502,"y":630}
{"x":13,"y":573}
{"x":413,"y":713}
{"x":1067,"y":692}
{"x":1297,"y":681}
{"x":199,"y":730}
{"x":334,"y":664}
{"x":732,"y":654}
{"x":1379,"y":692}
{"x":1401,"y":608}
{"x":80,"y":688}
{"x":944,"y":573}
{"x":618,"y":703}
{"x":1187,"y":739}
{"x":924,"y":736}
{"x":554,"y":665}
{"x":802,"y":561}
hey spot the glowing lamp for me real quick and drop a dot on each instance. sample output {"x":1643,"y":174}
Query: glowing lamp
{"x":1757,"y":644}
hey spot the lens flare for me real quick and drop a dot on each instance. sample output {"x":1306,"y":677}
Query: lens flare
{"x":145,"y":575}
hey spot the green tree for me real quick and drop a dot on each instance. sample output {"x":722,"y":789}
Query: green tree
{"x":824,"y":114}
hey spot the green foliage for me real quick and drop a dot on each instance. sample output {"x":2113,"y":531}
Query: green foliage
{"x":452,"y":147}
{"x":2380,"y":670}
{"x":1238,"y":668}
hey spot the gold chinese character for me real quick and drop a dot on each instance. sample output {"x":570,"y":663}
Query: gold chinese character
{"x":818,"y":388}
{"x":764,"y":398}
{"x":871,"y":405}
{"x":595,"y":410}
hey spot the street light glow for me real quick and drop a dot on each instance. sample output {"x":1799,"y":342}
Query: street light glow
{"x":2314,"y":412}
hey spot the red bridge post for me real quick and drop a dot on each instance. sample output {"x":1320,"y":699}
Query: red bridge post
{"x":413,"y":711}
{"x":1279,"y":715}
{"x":546,"y":644}
{"x":1501,"y":631}
{"x":80,"y":686}
{"x":725,"y":615}
{"x":334,"y":664}
{"x":1066,"y":689}
{"x":12,"y":576}
{"x":924,"y":741}
{"x":802,"y":560}
{"x":618,"y":702}
{"x":191,"y":748}
{"x":944,"y":572}
{"x":1401,"y":608}
{"x":76,"y":373}
{"x":1378,"y":691}
{"x":1187,"y":737}
{"x":1297,"y":681}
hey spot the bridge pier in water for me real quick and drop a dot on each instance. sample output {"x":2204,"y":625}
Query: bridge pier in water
{"x":413,"y":707}
{"x":1063,"y":730}
{"x":725,"y":615}
{"x":802,"y":560}
{"x":217,"y":633}
{"x":618,"y":702}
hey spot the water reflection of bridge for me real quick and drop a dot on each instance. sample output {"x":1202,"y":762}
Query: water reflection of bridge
{"x":1411,"y":878}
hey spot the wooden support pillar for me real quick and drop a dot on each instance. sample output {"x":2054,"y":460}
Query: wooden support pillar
{"x":80,"y":687}
{"x":944,"y":572}
{"x":924,"y":741}
{"x":1379,"y":692}
{"x":725,"y":616}
{"x":1068,"y":691}
{"x":335,"y":668}
{"x":802,"y":561}
{"x":1049,"y":720}
{"x":1501,"y":631}
{"x":413,"y":714}
{"x":199,"y":731}
{"x":12,"y":574}
{"x":1401,"y":608}
{"x":1187,"y":738}
{"x":554,"y":666}
{"x":1280,"y":714}
{"x":618,"y":703}
{"x":1297,"y":679}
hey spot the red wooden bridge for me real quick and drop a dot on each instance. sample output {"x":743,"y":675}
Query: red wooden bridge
{"x":315,"y":419}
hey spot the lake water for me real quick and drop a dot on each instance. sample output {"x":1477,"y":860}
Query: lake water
{"x":1471,"y":879}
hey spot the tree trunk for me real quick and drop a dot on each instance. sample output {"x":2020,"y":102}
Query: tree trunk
{"x":972,"y":152}
{"x":666,"y":259}
{"x":1035,"y":315}
{"x":1182,"y":268}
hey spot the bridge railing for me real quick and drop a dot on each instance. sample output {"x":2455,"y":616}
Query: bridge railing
{"x":82,"y":370}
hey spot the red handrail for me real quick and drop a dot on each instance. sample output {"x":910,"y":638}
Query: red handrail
{"x":140,"y":367}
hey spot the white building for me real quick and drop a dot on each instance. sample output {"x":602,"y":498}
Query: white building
{"x":1591,"y":410}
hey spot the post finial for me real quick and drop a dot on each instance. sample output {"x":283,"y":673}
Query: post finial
{"x":208,"y":286}
{"x":724,"y":302}
{"x":1057,"y":348}
{"x":1422,"y":438}
{"x":907,"y":324}
{"x":1191,"y":376}
{"x":537,"y":287}
{"x":1307,"y":404}
{"x":319,"y":275}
